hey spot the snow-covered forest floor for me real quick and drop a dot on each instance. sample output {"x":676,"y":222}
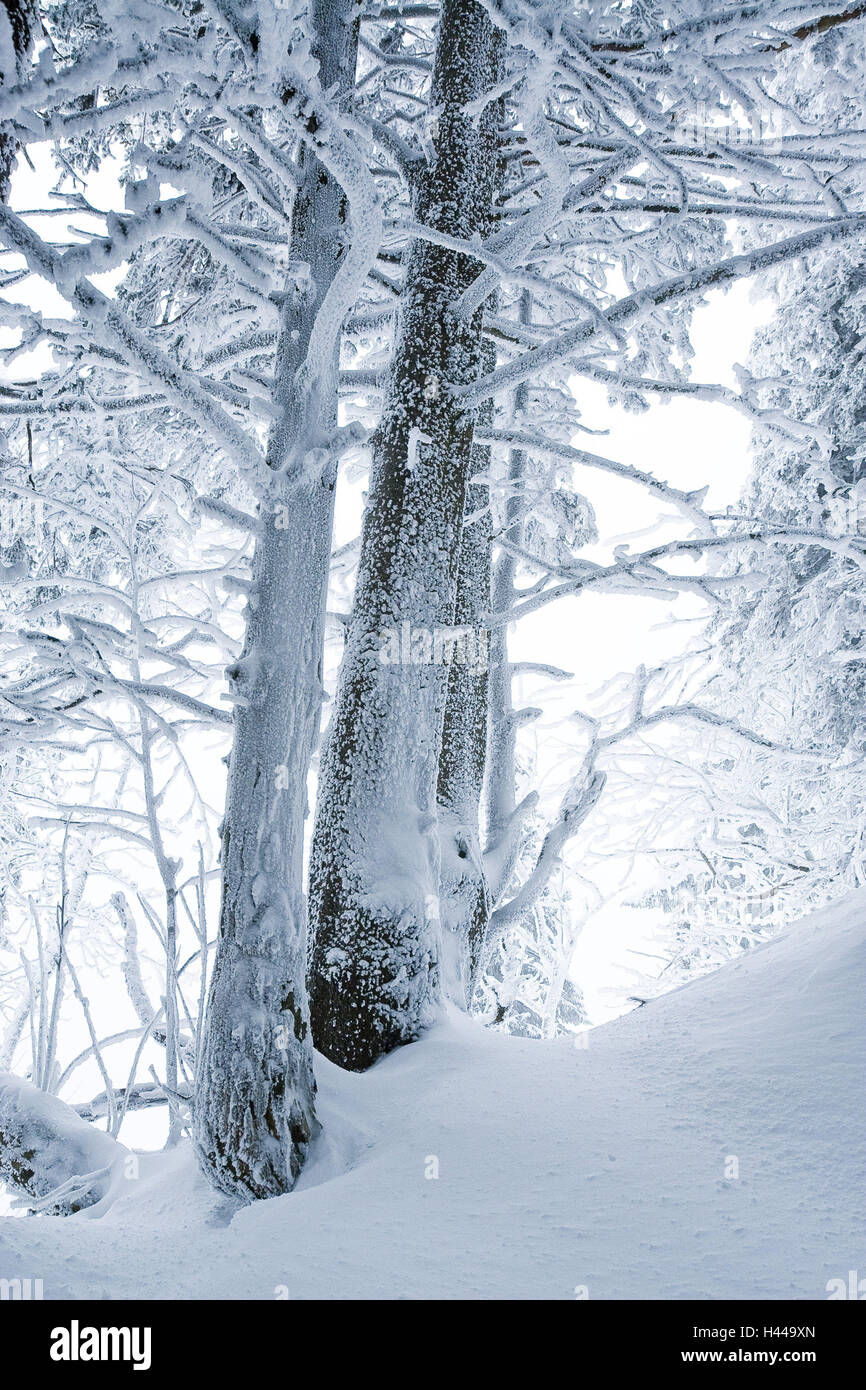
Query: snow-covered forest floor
{"x":563,"y":1171}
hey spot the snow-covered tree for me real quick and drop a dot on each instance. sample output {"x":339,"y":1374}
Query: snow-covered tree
{"x":597,"y":187}
{"x":18,"y":24}
{"x":396,"y":237}
{"x":375,"y":867}
{"x":255,"y":1112}
{"x":789,"y":654}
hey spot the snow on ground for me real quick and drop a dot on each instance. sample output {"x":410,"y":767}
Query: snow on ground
{"x":559,"y":1168}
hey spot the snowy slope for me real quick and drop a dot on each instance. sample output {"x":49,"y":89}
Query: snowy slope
{"x":559,"y":1167}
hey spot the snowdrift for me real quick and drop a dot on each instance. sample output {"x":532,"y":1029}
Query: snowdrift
{"x":708,"y":1145}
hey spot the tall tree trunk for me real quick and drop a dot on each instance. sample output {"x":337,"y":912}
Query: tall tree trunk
{"x":504,"y":820}
{"x":464,"y":900}
{"x":254,"y":1112}
{"x":374,"y":877}
{"x":500,"y":792}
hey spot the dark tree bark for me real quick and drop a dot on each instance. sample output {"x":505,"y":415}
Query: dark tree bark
{"x":374,"y":878}
{"x":22,"y":19}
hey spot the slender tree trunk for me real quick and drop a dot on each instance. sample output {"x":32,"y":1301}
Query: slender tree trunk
{"x":504,"y":820}
{"x":374,"y":878}
{"x":500,"y":792}
{"x":254,"y":1112}
{"x":167,"y":869}
{"x":464,"y":899}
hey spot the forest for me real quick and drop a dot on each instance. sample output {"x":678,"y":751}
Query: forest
{"x":432,"y":593}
